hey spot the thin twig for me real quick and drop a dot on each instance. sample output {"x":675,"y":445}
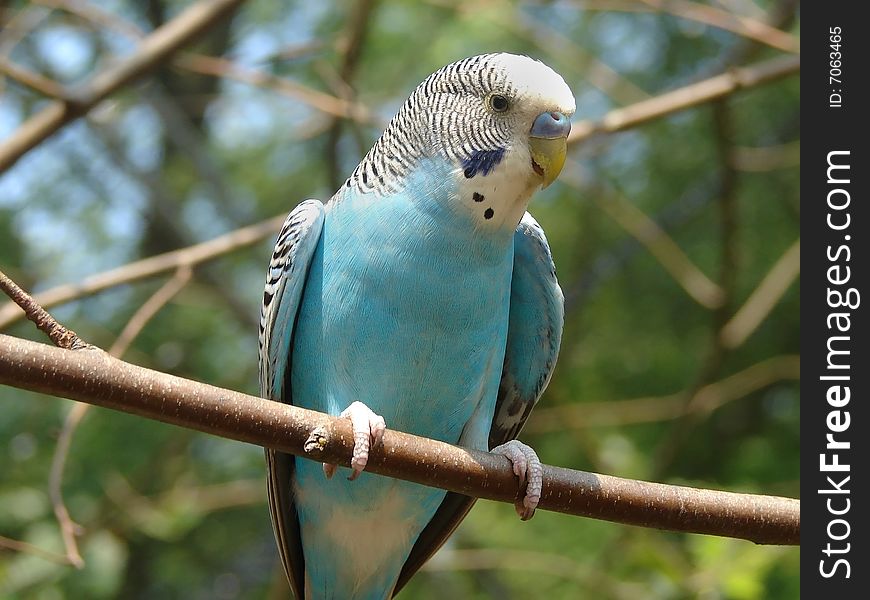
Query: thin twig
{"x":25,"y":548}
{"x":100,"y":379}
{"x":148,"y":267}
{"x":743,"y":26}
{"x":150,"y":308}
{"x":60,"y":335}
{"x":595,"y":71}
{"x":545,"y":564}
{"x":203,"y":499}
{"x":68,"y":528}
{"x":92,"y":13}
{"x":752,"y":29}
{"x":646,"y":231}
{"x":34,"y":81}
{"x":766,"y":158}
{"x":768,"y":293}
{"x":652,"y":409}
{"x":221,"y":67}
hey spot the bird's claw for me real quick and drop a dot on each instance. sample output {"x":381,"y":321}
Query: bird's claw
{"x":368,"y":432}
{"x":527,"y":466}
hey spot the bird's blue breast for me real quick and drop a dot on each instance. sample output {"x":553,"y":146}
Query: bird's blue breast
{"x":405,"y":309}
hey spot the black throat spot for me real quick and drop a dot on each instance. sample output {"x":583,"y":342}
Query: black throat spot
{"x":481,"y":161}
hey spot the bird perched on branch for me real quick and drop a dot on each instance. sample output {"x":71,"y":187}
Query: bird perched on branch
{"x":422,"y":297}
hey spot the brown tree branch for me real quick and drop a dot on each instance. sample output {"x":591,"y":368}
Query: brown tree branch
{"x":95,"y":377}
{"x":154,"y":50}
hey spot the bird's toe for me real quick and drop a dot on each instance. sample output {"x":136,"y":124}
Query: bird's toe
{"x":527,"y":467}
{"x":368,"y":432}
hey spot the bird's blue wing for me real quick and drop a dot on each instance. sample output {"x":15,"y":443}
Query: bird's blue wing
{"x":285,"y":281}
{"x":534,"y":335}
{"x":537,"y":314}
{"x":288,"y":270}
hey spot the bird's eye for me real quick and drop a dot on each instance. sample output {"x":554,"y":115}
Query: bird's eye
{"x":498,"y":103}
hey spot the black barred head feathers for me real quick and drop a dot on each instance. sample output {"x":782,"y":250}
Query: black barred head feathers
{"x":476,"y":113}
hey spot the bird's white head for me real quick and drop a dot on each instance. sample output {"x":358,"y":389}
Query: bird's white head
{"x":500,"y":120}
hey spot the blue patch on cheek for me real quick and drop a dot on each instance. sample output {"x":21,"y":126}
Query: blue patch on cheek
{"x":482,"y":161}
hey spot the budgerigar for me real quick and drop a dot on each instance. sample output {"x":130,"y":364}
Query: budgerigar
{"x":422,"y":296}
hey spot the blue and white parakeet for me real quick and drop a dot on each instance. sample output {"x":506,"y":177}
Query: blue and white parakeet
{"x":421,"y":297}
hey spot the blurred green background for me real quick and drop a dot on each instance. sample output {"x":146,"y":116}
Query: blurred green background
{"x":647,"y":386}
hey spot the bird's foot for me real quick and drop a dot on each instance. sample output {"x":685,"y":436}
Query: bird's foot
{"x":527,"y":466}
{"x":368,"y":432}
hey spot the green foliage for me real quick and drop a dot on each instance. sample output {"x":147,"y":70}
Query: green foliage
{"x":169,"y":513}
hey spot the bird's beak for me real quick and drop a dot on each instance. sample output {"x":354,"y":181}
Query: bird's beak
{"x":548,"y":143}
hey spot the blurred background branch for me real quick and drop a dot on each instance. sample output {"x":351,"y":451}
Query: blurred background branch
{"x":134,"y":326}
{"x":663,"y":408}
{"x":704,"y":91}
{"x":153,"y":51}
{"x":149,"y":267}
{"x":745,"y":26}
